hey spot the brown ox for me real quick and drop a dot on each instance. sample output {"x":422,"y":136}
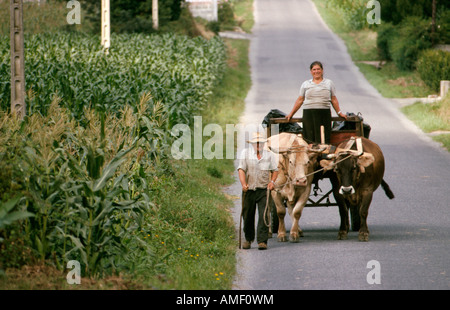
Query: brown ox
{"x":359,"y":174}
{"x":293,"y":185}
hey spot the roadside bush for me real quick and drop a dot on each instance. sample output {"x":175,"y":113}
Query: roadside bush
{"x":434,"y":66}
{"x":213,"y":26}
{"x":404,"y":43}
{"x":395,"y":11}
{"x":353,"y":12}
{"x":226,"y":15}
{"x":443,"y":27}
{"x":133,"y":16}
{"x":185,"y":24}
{"x":386,"y":33}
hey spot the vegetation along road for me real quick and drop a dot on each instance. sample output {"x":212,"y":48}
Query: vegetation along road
{"x":88,"y":175}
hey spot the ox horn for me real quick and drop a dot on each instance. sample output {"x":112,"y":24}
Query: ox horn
{"x":346,"y":152}
{"x":279,"y":150}
{"x":319,"y":150}
{"x":355,"y":153}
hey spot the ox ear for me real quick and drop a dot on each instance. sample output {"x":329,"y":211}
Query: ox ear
{"x":365,"y":160}
{"x":313,"y":155}
{"x":327,"y":164}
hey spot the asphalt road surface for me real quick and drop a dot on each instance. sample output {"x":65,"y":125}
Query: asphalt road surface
{"x":409,"y":236}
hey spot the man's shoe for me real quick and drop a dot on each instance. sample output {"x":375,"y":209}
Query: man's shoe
{"x":262,"y":246}
{"x":246,"y":245}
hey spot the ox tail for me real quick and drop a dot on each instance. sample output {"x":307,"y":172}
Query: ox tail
{"x":387,"y":190}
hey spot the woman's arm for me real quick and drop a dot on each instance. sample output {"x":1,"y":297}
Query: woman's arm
{"x":298,"y":103}
{"x":335,"y":103}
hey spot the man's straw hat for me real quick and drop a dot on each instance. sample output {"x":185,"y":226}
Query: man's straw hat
{"x":257,"y":137}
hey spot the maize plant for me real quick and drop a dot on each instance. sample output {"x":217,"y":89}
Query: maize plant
{"x":179,"y":72}
{"x":97,"y":130}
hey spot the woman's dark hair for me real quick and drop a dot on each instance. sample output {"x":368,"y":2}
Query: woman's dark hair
{"x":316,"y":63}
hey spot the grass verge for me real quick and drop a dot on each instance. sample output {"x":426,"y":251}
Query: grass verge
{"x":432,"y":118}
{"x":201,"y":263}
{"x":243,"y":10}
{"x":392,"y":83}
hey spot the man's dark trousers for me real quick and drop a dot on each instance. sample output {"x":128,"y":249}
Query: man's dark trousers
{"x":255,"y":199}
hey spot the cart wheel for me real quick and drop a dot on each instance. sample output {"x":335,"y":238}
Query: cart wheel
{"x":355,"y":219}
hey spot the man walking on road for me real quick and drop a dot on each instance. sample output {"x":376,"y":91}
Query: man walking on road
{"x":255,"y":168}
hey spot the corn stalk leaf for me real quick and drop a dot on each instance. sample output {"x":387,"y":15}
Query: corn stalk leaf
{"x":7,"y":217}
{"x":110,"y":169}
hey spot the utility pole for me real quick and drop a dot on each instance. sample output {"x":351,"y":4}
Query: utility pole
{"x":17,"y":59}
{"x":155,"y":18}
{"x":106,"y":26}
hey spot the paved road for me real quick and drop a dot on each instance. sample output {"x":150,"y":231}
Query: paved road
{"x":410,"y":235}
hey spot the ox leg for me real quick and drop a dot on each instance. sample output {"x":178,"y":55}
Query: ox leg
{"x":281,"y":213}
{"x":366,"y":199}
{"x":343,"y":209}
{"x":343,"y":229}
{"x":296,"y":232}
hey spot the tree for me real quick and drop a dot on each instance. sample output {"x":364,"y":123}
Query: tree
{"x":433,"y":20}
{"x":135,"y":15}
{"x":395,"y":11}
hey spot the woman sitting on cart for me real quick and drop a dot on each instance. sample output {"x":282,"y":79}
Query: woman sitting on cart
{"x":316,"y":96}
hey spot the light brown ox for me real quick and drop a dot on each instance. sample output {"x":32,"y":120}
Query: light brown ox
{"x":295,"y":162}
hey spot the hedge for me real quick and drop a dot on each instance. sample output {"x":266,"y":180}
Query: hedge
{"x":434,"y":66}
{"x":404,"y":42}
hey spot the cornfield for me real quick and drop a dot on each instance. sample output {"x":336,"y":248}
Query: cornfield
{"x":77,"y":175}
{"x":177,"y":71}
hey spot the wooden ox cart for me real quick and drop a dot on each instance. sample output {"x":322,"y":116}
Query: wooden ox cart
{"x":355,"y":128}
